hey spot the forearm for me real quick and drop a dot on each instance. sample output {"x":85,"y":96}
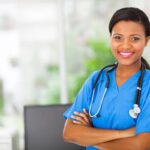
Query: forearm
{"x":130,"y":143}
{"x":84,"y":135}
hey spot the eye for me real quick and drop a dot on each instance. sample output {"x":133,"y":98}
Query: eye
{"x":117,"y":38}
{"x":135,"y":39}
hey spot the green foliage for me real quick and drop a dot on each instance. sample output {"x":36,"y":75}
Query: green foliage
{"x":98,"y":55}
{"x":52,"y":68}
{"x":101,"y":55}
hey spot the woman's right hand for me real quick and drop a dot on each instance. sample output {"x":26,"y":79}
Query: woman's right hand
{"x":82,"y":118}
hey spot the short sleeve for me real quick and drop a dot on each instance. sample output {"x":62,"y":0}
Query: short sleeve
{"x":82,"y":97}
{"x":143,"y":121}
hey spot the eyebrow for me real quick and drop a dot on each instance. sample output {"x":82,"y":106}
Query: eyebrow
{"x":130,"y":35}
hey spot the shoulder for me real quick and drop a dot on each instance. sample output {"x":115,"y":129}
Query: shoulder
{"x":146,"y":88}
{"x":147,"y":73}
{"x":93,"y":76}
{"x":147,"y":77}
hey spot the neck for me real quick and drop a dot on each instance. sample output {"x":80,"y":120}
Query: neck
{"x":127,"y":71}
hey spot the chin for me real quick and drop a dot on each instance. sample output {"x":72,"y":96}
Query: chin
{"x":127,"y":63}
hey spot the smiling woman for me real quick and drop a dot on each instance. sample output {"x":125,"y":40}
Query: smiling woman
{"x":128,"y":42}
{"x":112,"y":109}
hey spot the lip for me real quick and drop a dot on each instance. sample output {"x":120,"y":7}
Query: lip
{"x":125,"y":54}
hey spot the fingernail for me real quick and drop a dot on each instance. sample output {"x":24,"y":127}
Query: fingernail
{"x":84,"y":109}
{"x":75,"y":112}
{"x":72,"y":116}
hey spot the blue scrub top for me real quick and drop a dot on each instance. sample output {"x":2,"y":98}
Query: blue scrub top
{"x":117,"y":103}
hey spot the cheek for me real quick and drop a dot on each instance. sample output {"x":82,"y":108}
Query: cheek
{"x":114,"y":47}
{"x":136,"y":47}
{"x":139,"y":48}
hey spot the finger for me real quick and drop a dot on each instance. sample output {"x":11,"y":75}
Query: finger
{"x":84,"y":116}
{"x":87,"y":114}
{"x":79,"y":119}
{"x":84,"y":110}
{"x":80,"y":114}
{"x":77,"y":122}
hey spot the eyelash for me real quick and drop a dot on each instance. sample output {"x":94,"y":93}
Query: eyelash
{"x":136,"y":38}
{"x":117,"y":37}
{"x":133,"y":39}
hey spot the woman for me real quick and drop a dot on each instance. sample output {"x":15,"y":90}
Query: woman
{"x":112,"y":110}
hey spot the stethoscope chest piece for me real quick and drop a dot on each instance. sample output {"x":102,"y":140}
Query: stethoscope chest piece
{"x":135,"y":111}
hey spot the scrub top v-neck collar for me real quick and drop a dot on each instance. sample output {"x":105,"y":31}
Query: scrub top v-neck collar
{"x":134,"y":77}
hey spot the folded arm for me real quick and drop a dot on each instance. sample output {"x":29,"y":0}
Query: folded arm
{"x":82,"y":133}
{"x":139,"y":142}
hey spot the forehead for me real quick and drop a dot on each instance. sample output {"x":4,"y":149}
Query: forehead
{"x":128,"y":27}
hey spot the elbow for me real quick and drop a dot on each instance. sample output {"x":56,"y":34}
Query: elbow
{"x":66,"y":136}
{"x":72,"y":137}
{"x":70,"y":133}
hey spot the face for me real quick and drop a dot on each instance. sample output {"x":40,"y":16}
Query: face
{"x":127,"y":42}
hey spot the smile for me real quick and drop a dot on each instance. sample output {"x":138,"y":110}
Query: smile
{"x":126,"y":54}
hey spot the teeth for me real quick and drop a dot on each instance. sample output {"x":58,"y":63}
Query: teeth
{"x":125,"y":54}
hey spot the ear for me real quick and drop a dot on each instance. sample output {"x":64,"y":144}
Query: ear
{"x":147,"y":40}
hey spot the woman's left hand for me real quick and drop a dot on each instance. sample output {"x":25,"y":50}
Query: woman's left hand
{"x":82,"y":118}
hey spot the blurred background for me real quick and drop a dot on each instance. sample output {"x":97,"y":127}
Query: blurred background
{"x":47,"y":50}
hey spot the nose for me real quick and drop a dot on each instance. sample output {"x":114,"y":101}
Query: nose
{"x":126,"y":44}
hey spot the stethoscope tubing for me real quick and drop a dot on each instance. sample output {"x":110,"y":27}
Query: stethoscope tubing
{"x":136,"y":109}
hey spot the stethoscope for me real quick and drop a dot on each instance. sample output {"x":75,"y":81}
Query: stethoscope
{"x":135,"y":111}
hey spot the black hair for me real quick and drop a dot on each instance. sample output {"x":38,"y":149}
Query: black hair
{"x":147,"y":66}
{"x":132,"y":14}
